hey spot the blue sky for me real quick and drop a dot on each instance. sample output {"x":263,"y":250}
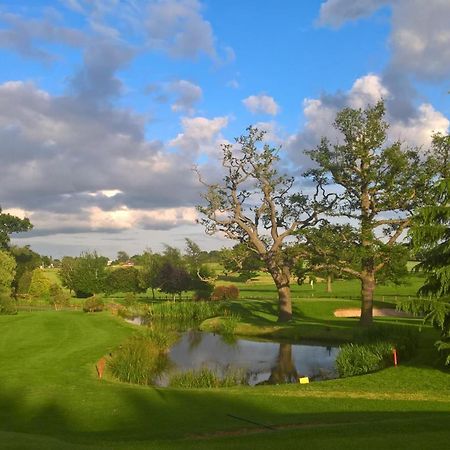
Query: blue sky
{"x":106,"y":105}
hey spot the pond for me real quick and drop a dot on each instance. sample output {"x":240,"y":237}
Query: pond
{"x":264,"y":362}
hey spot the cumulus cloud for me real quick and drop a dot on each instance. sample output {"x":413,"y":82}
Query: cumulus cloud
{"x":26,"y":36}
{"x":86,"y":164}
{"x":182,"y":94}
{"x":200,"y":135}
{"x":178,"y":28}
{"x":261,"y":104}
{"x":336,"y":12}
{"x":320,"y":114}
{"x":97,"y":80}
{"x":420,"y":36}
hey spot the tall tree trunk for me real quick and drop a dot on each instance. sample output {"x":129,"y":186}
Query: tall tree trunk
{"x":367,"y":290}
{"x":329,"y":289}
{"x":282,"y":279}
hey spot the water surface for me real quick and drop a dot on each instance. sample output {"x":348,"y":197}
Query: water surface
{"x":265,"y":362}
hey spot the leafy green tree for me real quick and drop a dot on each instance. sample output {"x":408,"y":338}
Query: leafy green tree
{"x":67,"y":272}
{"x":148,"y":277}
{"x":84,"y":275}
{"x":173,"y":279}
{"x":11,"y":224}
{"x":122,"y":257}
{"x":27,"y":260}
{"x":256,"y":205}
{"x":57,"y":297}
{"x":431,"y":234}
{"x":122,"y":279}
{"x":380,"y":186}
{"x":40,"y":286}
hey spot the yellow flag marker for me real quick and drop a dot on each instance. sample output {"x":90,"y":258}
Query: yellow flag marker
{"x":304,"y":380}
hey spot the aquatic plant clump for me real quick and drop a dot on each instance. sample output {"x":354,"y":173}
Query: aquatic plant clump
{"x":197,"y":311}
{"x":207,"y":378}
{"x":140,"y":359}
{"x":359,"y":359}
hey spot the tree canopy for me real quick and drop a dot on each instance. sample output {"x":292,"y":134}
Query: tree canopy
{"x":380,"y":184}
{"x":11,"y":224}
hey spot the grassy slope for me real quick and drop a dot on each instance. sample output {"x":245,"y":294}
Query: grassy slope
{"x":50,"y":397}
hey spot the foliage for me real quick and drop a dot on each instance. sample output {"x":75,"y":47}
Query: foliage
{"x":377,"y":182}
{"x":359,"y":359}
{"x":58,"y":298}
{"x":7,"y":272}
{"x":207,"y":378}
{"x":229,"y":292}
{"x":173,"y":279}
{"x":85,"y":275}
{"x":24,"y":282}
{"x":184,"y":311}
{"x":39,"y":286}
{"x":229,"y":323}
{"x":7,"y":304}
{"x":93,"y":304}
{"x":130,"y":299}
{"x":242,"y":260}
{"x":149,"y":274}
{"x":11,"y":224}
{"x":138,"y":360}
{"x":122,"y":257}
{"x":256,"y":205}
{"x":26,"y":261}
{"x":431,"y":235}
{"x":122,"y":279}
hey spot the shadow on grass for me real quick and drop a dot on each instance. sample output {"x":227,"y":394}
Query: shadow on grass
{"x":186,"y":418}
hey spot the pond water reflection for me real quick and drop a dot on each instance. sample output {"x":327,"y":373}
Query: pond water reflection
{"x":264,"y":362}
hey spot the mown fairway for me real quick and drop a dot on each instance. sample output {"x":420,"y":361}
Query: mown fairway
{"x":50,"y":397}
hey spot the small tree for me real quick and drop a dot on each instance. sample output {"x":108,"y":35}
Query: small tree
{"x":256,"y":205}
{"x":148,"y":277}
{"x":381,"y":186}
{"x":40,"y":286}
{"x":173,"y":279}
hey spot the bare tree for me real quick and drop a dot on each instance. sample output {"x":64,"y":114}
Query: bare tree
{"x":256,"y":205}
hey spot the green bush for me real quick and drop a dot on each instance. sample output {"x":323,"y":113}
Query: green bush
{"x":207,"y":378}
{"x":93,"y":304}
{"x":359,"y":359}
{"x":230,"y":292}
{"x":139,"y":360}
{"x":7,"y":305}
{"x":130,"y":299}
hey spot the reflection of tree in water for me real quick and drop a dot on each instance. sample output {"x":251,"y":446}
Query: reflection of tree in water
{"x":284,"y":370}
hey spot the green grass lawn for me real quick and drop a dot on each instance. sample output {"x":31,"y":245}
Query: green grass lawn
{"x":50,"y":397}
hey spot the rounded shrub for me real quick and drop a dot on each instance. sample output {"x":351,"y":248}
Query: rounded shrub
{"x":230,"y":292}
{"x":93,"y":304}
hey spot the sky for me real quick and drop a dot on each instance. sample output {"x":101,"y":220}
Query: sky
{"x":106,"y":105}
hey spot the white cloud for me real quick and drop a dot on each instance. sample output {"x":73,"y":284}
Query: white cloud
{"x":200,"y":135}
{"x":418,"y":130}
{"x":420,"y":33}
{"x":178,"y":28}
{"x":187,"y":95}
{"x":261,"y":104}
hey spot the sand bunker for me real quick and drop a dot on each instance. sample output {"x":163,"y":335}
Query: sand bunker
{"x":377,"y":312}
